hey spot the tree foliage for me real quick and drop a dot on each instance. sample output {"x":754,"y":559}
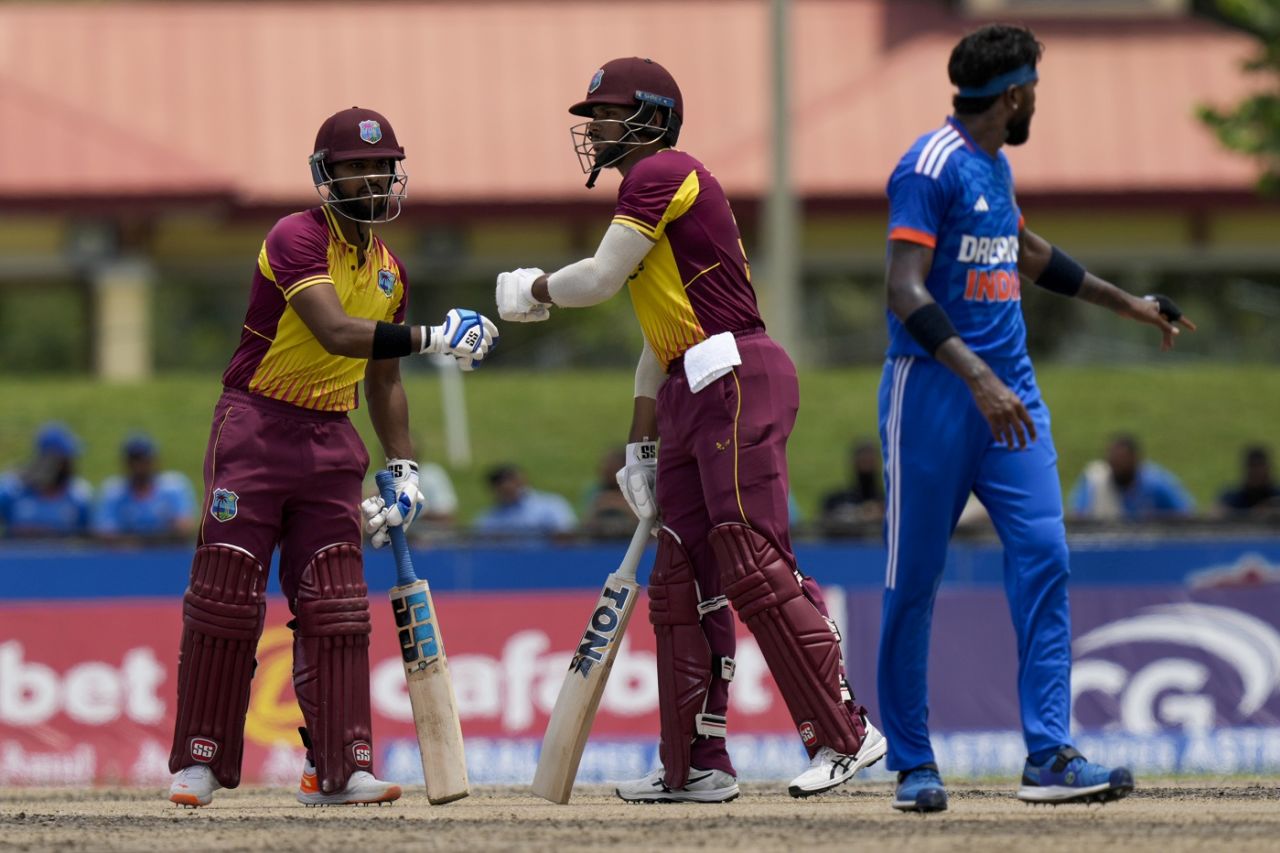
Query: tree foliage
{"x":1253,"y":126}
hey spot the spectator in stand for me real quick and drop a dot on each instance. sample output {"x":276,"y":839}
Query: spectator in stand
{"x":863,"y":500}
{"x":1125,"y":487}
{"x":520,"y":510}
{"x":604,"y":508}
{"x":439,"y":500}
{"x":1257,"y":492}
{"x":143,"y":502}
{"x":46,"y":498}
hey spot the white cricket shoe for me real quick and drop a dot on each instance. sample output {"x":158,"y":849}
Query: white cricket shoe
{"x":193,"y":786}
{"x":703,"y":786}
{"x":828,"y":768}
{"x":362,"y":789}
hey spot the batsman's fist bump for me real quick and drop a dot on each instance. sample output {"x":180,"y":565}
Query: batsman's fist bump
{"x":466,"y":335}
{"x":515,"y":296}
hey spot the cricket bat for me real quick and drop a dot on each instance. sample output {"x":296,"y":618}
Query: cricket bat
{"x":435,"y":710}
{"x":570,"y":723}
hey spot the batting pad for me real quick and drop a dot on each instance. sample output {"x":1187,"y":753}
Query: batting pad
{"x":331,"y":664}
{"x":684,"y":657}
{"x":797,"y":641}
{"x":222,"y":616}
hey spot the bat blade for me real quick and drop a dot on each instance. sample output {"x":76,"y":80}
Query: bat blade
{"x":584,"y":683}
{"x":435,"y":709}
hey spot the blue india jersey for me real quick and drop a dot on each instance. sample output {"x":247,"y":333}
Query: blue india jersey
{"x":28,"y":511}
{"x":950,"y":195}
{"x":159,"y":510}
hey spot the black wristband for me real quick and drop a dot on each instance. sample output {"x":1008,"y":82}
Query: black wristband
{"x":391,"y":340}
{"x":1062,"y":274}
{"x":930,"y":326}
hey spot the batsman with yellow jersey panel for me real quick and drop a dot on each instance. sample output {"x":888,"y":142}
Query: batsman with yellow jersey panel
{"x":723,"y":396}
{"x":285,"y":467}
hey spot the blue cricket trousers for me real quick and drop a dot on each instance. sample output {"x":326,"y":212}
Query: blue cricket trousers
{"x":937,"y":449}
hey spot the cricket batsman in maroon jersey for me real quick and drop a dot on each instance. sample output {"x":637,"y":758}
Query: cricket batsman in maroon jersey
{"x":285,"y":467}
{"x":723,"y":397}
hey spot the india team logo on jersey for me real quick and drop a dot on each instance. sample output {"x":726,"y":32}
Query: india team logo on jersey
{"x":225,"y":504}
{"x":990,"y":285}
{"x":387,"y":282}
{"x":371,"y":131}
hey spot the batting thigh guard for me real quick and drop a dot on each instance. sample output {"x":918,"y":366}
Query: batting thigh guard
{"x":685,"y":660}
{"x":222,"y":616}
{"x":331,"y":663}
{"x":801,"y":647}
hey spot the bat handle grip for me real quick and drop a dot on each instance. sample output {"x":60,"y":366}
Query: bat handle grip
{"x":404,"y":565}
{"x":635,"y":551}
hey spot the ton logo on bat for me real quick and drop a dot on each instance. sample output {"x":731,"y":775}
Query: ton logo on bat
{"x":604,"y":624}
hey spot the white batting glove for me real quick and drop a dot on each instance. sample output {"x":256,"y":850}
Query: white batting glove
{"x":380,"y":518}
{"x":515,"y":296}
{"x":638,"y":477}
{"x":465,"y":334}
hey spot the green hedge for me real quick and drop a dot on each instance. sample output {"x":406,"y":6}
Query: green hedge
{"x":557,"y":424}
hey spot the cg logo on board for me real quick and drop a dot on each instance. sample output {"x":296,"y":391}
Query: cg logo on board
{"x":1213,"y":665}
{"x":601,"y":631}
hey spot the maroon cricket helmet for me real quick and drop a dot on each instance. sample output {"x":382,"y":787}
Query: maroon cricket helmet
{"x":357,"y":134}
{"x":631,"y":81}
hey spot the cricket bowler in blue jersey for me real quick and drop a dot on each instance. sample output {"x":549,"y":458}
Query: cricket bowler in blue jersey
{"x":960,"y":412}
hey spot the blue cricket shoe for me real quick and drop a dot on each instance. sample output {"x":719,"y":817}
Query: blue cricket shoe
{"x":920,"y":790}
{"x":1068,"y":777}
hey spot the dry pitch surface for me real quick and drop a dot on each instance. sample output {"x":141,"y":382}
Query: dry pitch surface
{"x":1240,"y":815}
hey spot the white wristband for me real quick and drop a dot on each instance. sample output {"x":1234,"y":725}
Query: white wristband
{"x":642,"y":452}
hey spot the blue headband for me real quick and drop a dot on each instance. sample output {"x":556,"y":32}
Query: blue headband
{"x":997,"y":85}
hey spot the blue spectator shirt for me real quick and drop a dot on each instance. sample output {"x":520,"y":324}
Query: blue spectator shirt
{"x":1154,"y":491}
{"x":535,"y":513}
{"x":24,"y":511}
{"x":169,"y":501}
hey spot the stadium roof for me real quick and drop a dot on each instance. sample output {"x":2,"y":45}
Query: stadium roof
{"x":214,"y":98}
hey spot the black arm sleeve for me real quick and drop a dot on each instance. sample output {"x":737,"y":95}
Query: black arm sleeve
{"x":1062,"y":274}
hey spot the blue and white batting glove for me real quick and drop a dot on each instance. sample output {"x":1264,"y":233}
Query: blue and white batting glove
{"x":465,"y":334}
{"x":380,"y":518}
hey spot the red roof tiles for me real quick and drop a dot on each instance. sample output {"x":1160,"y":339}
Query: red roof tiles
{"x":137,"y":98}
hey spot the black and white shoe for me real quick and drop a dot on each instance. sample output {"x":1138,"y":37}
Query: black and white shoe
{"x":828,"y":768}
{"x":703,"y":786}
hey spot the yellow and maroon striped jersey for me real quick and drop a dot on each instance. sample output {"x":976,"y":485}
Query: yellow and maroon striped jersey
{"x":278,"y":356}
{"x":695,"y":282}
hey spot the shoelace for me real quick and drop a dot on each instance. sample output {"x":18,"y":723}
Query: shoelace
{"x":824,"y":754}
{"x":923,"y":777}
{"x":190,"y":775}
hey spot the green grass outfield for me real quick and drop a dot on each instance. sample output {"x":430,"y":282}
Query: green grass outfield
{"x":1193,"y":419}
